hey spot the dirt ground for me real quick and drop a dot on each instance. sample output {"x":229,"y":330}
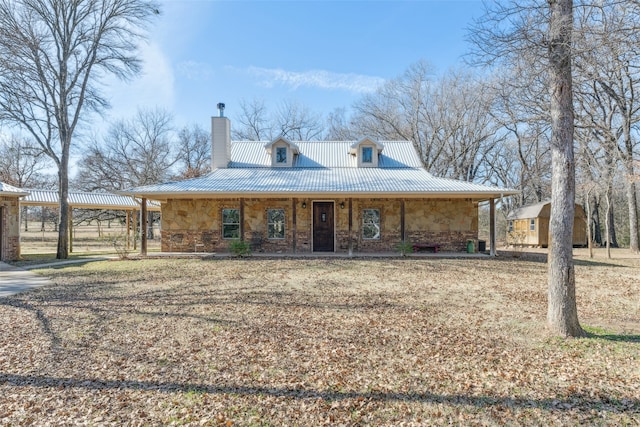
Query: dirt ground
{"x":260,"y":342}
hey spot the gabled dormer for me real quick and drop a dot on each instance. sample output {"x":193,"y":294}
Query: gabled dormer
{"x":366,"y":151}
{"x":281,"y":151}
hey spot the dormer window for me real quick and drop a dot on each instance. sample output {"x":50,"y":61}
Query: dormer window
{"x":367,"y":154}
{"x":281,"y":154}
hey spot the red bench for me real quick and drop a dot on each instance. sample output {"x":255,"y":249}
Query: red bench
{"x":424,"y":247}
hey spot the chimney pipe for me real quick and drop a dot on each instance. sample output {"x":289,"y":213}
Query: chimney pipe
{"x":221,"y":108}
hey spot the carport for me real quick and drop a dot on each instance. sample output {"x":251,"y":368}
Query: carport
{"x":85,"y":200}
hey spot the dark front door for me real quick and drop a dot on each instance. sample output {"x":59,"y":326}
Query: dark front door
{"x":323,"y":227}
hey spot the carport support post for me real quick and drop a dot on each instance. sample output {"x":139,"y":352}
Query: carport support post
{"x":143,"y":228}
{"x":492,"y":226}
{"x":127,"y":214}
{"x":70,"y":229}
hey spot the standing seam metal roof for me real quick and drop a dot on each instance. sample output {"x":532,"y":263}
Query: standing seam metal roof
{"x":10,"y":190}
{"x":86,"y":200}
{"x":322,"y":167}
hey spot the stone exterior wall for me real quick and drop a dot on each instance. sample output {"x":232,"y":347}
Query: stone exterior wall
{"x":10,"y":228}
{"x":196,"y":224}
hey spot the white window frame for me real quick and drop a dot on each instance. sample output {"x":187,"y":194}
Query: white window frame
{"x":283,"y":224}
{"x":224,"y":224}
{"x":532,"y":224}
{"x":367,"y":225}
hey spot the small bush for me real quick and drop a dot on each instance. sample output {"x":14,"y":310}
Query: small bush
{"x":404,"y":248}
{"x":240,"y":248}
{"x":119,"y":242}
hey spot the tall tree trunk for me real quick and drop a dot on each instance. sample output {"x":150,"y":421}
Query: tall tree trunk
{"x":63,"y":228}
{"x":562,"y":314}
{"x":633,"y":212}
{"x":612,"y":239}
{"x":597,"y":234}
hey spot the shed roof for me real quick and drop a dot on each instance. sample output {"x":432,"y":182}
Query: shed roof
{"x":86,"y":200}
{"x":528,"y":211}
{"x":10,"y":190}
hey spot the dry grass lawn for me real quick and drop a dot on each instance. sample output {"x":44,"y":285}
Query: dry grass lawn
{"x":312,"y":342}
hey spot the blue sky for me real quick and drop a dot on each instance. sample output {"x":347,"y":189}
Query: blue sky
{"x":323,"y":54}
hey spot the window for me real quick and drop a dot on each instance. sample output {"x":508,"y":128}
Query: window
{"x":367,"y":155}
{"x":281,"y":155}
{"x":510,"y":225}
{"x":230,"y":224}
{"x":532,"y":224}
{"x":275,"y":223}
{"x":371,"y":224}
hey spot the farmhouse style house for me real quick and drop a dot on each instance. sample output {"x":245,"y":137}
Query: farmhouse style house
{"x":316,"y":196}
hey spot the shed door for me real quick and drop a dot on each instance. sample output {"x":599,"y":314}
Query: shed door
{"x":323,"y":232}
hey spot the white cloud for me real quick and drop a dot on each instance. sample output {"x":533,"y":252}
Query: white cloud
{"x":193,"y":70}
{"x":322,"y":79}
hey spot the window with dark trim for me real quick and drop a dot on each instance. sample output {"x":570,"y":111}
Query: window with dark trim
{"x":511,"y":225}
{"x":275,"y":223}
{"x":230,"y":223}
{"x":371,"y":224}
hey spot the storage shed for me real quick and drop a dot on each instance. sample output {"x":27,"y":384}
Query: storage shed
{"x":529,"y":226}
{"x":10,"y":221}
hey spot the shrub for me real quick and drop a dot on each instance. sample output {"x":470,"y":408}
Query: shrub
{"x":404,"y":248}
{"x":240,"y":248}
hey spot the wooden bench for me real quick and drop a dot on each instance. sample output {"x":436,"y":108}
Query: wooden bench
{"x":426,"y":247}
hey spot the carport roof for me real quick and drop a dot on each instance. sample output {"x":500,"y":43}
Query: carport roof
{"x":84,"y":200}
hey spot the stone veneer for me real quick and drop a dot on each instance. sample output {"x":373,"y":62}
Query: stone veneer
{"x":190,"y":225}
{"x":10,"y":228}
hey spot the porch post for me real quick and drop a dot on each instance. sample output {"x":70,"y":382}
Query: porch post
{"x":293,"y":222}
{"x":350,"y":226}
{"x":143,"y":227}
{"x":492,"y":226}
{"x":242,"y":219}
{"x":402,"y":233}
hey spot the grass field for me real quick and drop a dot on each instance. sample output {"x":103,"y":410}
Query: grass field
{"x":312,"y":342}
{"x":87,"y":239}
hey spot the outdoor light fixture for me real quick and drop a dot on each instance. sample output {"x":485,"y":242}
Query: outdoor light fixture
{"x":341,"y":205}
{"x":304,"y":205}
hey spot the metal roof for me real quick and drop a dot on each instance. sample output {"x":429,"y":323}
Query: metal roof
{"x":528,"y":212}
{"x":321,"y":168}
{"x":86,"y":200}
{"x":324,"y":154}
{"x":10,"y":190}
{"x":337,"y":181}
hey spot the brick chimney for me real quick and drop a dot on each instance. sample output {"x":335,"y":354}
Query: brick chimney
{"x":220,"y":140}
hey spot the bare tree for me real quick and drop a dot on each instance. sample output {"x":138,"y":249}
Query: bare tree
{"x":194,"y":152}
{"x":22,"y":163}
{"x":292,"y":119}
{"x":53,"y":56}
{"x":135,"y":152}
{"x":252,"y":123}
{"x":543,"y":33}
